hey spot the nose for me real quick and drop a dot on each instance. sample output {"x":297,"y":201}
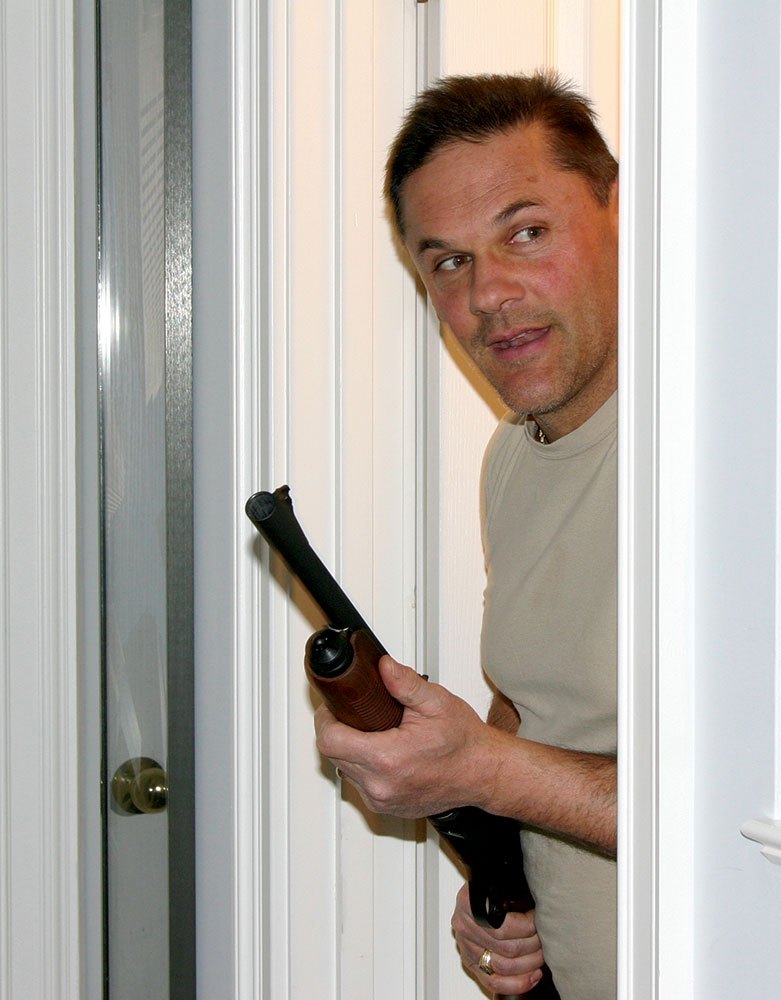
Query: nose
{"x":496,"y":282}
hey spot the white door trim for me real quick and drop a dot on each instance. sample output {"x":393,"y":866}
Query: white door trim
{"x":656,"y":487}
{"x":40,"y":944}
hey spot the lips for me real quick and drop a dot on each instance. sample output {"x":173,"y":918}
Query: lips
{"x":515,"y":340}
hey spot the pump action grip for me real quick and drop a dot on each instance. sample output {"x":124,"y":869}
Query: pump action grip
{"x":342,"y":666}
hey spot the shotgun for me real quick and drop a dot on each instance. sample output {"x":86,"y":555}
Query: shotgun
{"x":341,"y":663}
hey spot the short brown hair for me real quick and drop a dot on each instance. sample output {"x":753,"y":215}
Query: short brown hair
{"x":473,"y":108}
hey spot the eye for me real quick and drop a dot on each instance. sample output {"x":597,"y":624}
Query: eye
{"x":453,"y":263}
{"x":529,"y":234}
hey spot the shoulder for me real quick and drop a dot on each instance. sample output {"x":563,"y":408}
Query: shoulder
{"x":503,"y":447}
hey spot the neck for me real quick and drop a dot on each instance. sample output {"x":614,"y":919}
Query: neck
{"x":558,"y":422}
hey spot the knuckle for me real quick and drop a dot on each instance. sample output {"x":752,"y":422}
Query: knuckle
{"x":523,"y":947}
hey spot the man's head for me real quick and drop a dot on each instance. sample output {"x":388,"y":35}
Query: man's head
{"x":472,"y":108}
{"x":509,"y":211}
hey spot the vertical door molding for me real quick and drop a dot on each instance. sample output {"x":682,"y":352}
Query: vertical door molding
{"x":637,"y":544}
{"x":250,"y":52}
{"x":656,"y":501}
{"x":42,"y":772}
{"x":229,"y":54}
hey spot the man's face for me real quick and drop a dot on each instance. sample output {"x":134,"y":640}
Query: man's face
{"x":521,"y":262}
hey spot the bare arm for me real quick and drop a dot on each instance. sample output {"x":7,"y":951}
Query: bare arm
{"x":583,"y":785}
{"x":564,"y":791}
{"x":443,"y":755}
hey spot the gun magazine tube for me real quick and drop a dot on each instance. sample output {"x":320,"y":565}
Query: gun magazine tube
{"x":273,"y":516}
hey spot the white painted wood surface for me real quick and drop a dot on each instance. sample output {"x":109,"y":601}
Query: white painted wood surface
{"x":40,"y":943}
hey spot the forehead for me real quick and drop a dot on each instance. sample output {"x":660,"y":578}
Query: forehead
{"x":477,"y":179}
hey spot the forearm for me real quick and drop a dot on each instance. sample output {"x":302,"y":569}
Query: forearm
{"x":564,"y":791}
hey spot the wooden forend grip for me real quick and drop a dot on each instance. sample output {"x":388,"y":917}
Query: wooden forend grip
{"x":342,"y":665}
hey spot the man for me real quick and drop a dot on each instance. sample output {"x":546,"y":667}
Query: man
{"x":505,"y":197}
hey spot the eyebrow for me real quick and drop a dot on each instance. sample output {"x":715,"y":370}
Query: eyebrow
{"x":511,"y":210}
{"x":431,"y":244}
{"x":502,"y":217}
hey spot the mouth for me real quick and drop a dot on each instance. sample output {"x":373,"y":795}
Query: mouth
{"x":519,"y":341}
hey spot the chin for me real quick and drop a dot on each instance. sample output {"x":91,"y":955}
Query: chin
{"x":525,"y":402}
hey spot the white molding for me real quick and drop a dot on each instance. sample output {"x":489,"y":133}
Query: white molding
{"x":248,"y":404}
{"x":656,"y":565}
{"x":677,"y":423}
{"x":39,"y":810}
{"x":776,"y":808}
{"x":637,"y":483}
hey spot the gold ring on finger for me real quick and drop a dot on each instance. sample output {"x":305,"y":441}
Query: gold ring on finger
{"x":484,"y":965}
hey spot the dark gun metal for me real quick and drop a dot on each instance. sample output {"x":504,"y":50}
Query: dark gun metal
{"x":341,"y":663}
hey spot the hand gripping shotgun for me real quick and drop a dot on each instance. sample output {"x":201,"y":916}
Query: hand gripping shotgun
{"x":341,"y":663}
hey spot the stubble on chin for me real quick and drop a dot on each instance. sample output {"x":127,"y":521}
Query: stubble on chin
{"x":520,"y":384}
{"x":526,"y":389}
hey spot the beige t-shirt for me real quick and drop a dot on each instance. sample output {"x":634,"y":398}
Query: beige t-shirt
{"x":549,"y":644}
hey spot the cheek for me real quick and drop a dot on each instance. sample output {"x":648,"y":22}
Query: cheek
{"x":452,"y":308}
{"x":582,"y":292}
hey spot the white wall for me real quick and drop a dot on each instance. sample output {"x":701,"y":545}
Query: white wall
{"x":699,"y":485}
{"x":737,"y":497}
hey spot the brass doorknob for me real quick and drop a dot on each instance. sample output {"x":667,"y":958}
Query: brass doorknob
{"x":140,"y":785}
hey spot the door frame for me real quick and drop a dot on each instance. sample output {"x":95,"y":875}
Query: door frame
{"x":656,"y":498}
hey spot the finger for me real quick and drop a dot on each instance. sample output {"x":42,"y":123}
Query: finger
{"x":410,"y":688}
{"x":515,"y":927}
{"x":502,"y":966}
{"x":324,"y":720}
{"x":501,"y":976}
{"x":517,"y":935}
{"x":511,"y":986}
{"x":334,"y":739}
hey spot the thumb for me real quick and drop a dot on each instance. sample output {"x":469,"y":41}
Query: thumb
{"x":406,"y":686}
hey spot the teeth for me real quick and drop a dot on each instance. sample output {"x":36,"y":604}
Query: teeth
{"x":520,"y":338}
{"x":506,"y":344}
